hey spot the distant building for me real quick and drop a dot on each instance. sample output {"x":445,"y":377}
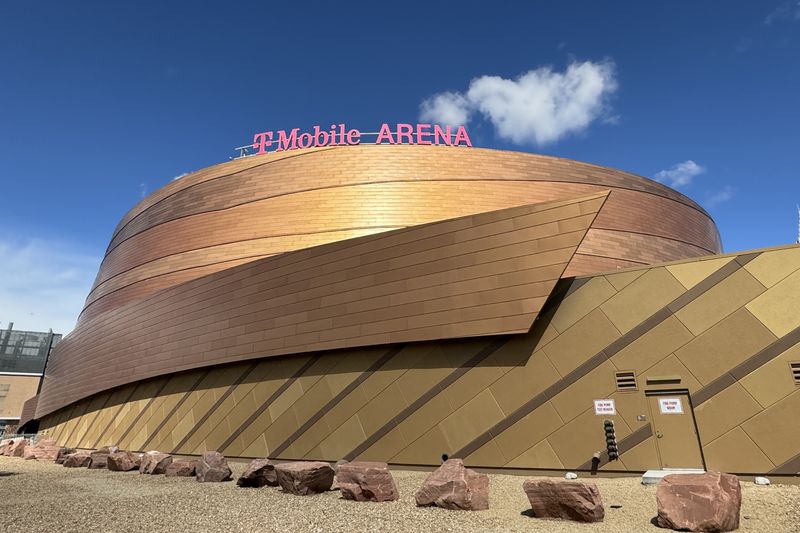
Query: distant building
{"x":23,"y":355}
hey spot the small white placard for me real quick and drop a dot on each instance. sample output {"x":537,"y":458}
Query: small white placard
{"x":605,"y":407}
{"x":670,"y":406}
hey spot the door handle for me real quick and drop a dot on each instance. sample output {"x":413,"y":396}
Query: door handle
{"x":659,"y":434}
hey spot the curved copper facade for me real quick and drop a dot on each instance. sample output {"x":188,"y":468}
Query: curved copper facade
{"x":484,"y":274}
{"x":256,"y":207}
{"x":331,"y":248}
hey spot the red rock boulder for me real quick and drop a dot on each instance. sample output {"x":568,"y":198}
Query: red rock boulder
{"x":699,"y":502}
{"x":62,"y":454}
{"x":44,"y":450}
{"x":77,"y":460}
{"x":212,"y":467}
{"x":184,"y":468}
{"x":366,"y":481}
{"x":568,"y":500}
{"x":305,"y":477}
{"x":100,"y":457}
{"x":453,"y":486}
{"x":259,"y":472}
{"x":155,"y":463}
{"x":4,"y":444}
{"x":123,"y":461}
{"x":17,"y":448}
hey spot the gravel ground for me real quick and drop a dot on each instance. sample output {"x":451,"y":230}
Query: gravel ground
{"x":47,"y":497}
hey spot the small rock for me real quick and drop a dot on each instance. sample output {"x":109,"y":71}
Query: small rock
{"x":182,"y":468}
{"x":366,"y":481}
{"x":453,"y":486}
{"x":569,"y":500}
{"x":77,"y":460}
{"x":305,"y":477}
{"x":339,"y":463}
{"x":259,"y":472}
{"x":212,"y":467}
{"x":155,"y":463}
{"x":699,"y":502}
{"x":570,"y":475}
{"x":761,"y":480}
{"x":123,"y":461}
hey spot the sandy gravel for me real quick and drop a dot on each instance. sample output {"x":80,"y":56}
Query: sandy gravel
{"x":47,"y":497}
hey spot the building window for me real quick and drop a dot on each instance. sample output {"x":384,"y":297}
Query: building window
{"x":626,"y":381}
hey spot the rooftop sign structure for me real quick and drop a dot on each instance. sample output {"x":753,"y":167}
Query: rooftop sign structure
{"x":340,"y":135}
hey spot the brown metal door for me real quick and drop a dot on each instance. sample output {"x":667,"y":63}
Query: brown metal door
{"x":676,"y":433}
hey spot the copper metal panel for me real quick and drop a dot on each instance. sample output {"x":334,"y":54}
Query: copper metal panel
{"x":484,"y":274}
{"x":255,"y":207}
{"x":28,"y":410}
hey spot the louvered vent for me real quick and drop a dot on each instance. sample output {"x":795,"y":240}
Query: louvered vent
{"x":626,"y":381}
{"x":795,"y":372}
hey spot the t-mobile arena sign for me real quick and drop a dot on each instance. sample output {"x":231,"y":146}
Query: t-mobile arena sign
{"x":340,"y":135}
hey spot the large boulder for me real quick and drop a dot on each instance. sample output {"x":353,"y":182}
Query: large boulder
{"x":155,"y":463}
{"x":123,"y":461}
{"x":699,"y":502}
{"x":100,"y":457}
{"x":453,"y":486}
{"x":259,"y":472}
{"x":17,"y":448}
{"x":77,"y":460}
{"x":62,"y":454}
{"x":305,"y":477}
{"x":570,"y":500}
{"x":183,"y":468}
{"x":44,"y":450}
{"x":366,"y":481}
{"x":213,"y":467}
{"x":4,"y":444}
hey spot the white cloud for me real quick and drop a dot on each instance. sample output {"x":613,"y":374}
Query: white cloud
{"x":789,"y":10}
{"x":681,"y":174}
{"x":179,"y":176}
{"x":43,"y":284}
{"x":446,"y":109}
{"x":539,"y":107}
{"x":721,"y":196}
{"x":142,"y":190}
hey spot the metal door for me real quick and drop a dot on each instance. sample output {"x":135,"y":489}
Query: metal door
{"x":675,"y":430}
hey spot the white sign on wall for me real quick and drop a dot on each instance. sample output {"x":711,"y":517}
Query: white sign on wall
{"x":605,"y":407}
{"x":670,"y":406}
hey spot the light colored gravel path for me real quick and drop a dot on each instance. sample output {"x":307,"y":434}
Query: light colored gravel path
{"x":47,"y":497}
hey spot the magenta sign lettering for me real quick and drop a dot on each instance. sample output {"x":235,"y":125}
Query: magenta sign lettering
{"x":340,"y":135}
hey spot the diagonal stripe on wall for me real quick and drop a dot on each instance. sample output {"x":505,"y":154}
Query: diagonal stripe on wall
{"x":605,"y":354}
{"x":425,"y":398}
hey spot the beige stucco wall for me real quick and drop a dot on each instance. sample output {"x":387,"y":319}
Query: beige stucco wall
{"x":20,"y":389}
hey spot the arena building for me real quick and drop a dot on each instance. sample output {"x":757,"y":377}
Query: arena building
{"x":401,"y":303}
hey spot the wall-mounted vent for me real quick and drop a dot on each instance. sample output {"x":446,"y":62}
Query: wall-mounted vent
{"x":626,"y":381}
{"x":795,"y":366}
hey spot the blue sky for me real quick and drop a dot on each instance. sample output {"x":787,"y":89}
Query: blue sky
{"x":102,"y":102}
